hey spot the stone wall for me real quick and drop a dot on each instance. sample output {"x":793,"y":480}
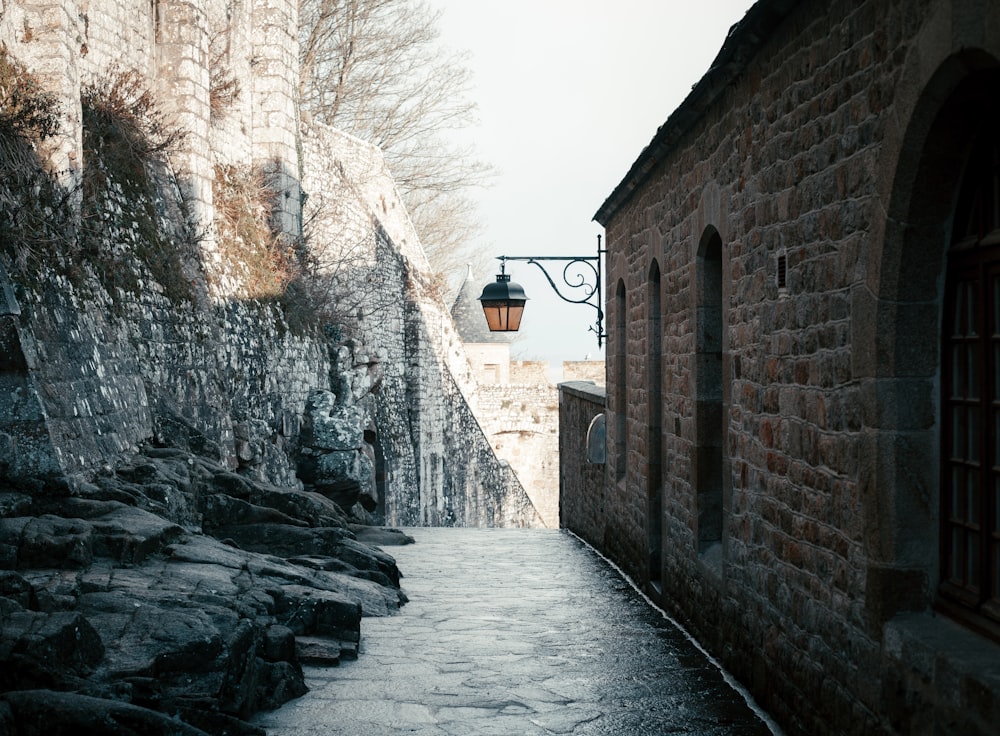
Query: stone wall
{"x":776,"y":270}
{"x":522,"y":423}
{"x":584,"y":370}
{"x":439,"y":466}
{"x":583,"y":503}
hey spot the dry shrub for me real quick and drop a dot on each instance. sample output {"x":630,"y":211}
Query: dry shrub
{"x":27,"y":111}
{"x":33,"y":207}
{"x":261,"y":258}
{"x":123,"y":125}
{"x":126,"y":137}
{"x":223,"y":87}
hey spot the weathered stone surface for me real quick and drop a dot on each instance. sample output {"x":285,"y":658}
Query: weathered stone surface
{"x":328,"y":425}
{"x":324,"y":652}
{"x":46,"y":649}
{"x":221,"y":510}
{"x":379,"y":536}
{"x":278,"y":644}
{"x":129,"y":535}
{"x":51,"y":713}
{"x":310,"y":507}
{"x":111,"y":599}
{"x":284,"y":541}
{"x":347,"y":477}
{"x":317,"y":612}
{"x":45,"y":541}
{"x":15,"y":589}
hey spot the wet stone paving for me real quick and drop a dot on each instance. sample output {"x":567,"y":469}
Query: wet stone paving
{"x":514,"y":633}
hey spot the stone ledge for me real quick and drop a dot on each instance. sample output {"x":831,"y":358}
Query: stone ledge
{"x":957,"y":664}
{"x":585,"y":390}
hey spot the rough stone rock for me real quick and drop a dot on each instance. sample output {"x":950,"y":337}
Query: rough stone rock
{"x":335,"y":457}
{"x":324,"y":573}
{"x":173,"y":430}
{"x":346,"y":477}
{"x":317,"y":612}
{"x":285,"y":541}
{"x":129,"y":535}
{"x":308,"y":506}
{"x":15,"y":589}
{"x":324,"y":652}
{"x":278,"y":683}
{"x":124,"y":533}
{"x":51,"y":713}
{"x":279,"y":644}
{"x":328,"y":425}
{"x":294,"y":542}
{"x":14,"y":504}
{"x":380,"y":536}
{"x":45,"y":541}
{"x":46,"y":649}
{"x":109,"y":588}
{"x":222,"y":510}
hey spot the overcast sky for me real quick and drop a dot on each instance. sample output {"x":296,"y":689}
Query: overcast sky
{"x":569,"y":93}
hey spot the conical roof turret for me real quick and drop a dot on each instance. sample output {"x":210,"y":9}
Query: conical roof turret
{"x":468,"y":314}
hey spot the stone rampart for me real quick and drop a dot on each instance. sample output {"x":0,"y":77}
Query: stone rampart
{"x":166,"y":336}
{"x":431,"y":439}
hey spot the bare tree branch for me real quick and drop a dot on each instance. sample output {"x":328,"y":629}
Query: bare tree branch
{"x":376,"y":69}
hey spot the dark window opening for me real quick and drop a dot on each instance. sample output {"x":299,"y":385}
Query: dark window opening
{"x":970,"y":483}
{"x":654,"y":433}
{"x":620,"y":408}
{"x":709,"y":460}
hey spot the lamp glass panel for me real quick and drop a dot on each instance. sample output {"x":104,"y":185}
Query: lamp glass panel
{"x":503,"y":316}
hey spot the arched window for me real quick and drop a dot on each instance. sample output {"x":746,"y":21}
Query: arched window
{"x":621,"y":384}
{"x":970,"y":401}
{"x":654,"y":434}
{"x":709,"y":459}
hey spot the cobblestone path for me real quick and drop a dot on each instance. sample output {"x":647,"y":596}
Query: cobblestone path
{"x":516,"y":633}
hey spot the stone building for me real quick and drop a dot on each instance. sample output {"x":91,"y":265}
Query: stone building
{"x":802,"y":367}
{"x":164,"y":327}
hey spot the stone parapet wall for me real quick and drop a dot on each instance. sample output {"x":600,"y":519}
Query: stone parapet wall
{"x":583,"y":501}
{"x":584,"y":370}
{"x":529,"y":372}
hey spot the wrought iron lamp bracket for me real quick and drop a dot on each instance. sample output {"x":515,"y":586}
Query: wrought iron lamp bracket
{"x":580,"y":274}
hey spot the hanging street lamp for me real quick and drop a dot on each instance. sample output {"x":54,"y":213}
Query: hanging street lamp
{"x":503,"y":301}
